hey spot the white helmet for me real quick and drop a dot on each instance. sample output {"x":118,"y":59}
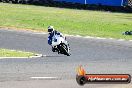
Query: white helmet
{"x":50,"y":29}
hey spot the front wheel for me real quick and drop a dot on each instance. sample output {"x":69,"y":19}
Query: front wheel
{"x":65,"y":49}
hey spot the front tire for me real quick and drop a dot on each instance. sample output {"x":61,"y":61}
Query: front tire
{"x":65,"y":49}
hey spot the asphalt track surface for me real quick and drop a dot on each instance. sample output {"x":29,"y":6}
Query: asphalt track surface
{"x":96,"y":56}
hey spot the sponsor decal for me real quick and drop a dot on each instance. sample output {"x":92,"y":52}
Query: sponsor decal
{"x":83,"y":78}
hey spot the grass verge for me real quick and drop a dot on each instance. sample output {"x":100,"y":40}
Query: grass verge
{"x":69,"y":21}
{"x":14,"y":53}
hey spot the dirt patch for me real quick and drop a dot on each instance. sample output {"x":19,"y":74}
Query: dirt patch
{"x":22,"y":29}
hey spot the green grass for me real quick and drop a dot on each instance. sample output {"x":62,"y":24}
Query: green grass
{"x":69,"y":21}
{"x":14,"y":53}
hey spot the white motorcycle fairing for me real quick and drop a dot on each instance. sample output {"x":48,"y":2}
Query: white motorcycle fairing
{"x":61,"y":45}
{"x":56,"y":40}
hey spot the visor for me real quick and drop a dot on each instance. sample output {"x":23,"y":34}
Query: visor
{"x":50,"y":30}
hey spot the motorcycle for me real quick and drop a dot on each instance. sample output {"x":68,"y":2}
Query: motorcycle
{"x":60,"y":45}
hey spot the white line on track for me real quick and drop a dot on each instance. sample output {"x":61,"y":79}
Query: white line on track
{"x":38,"y":55}
{"x":100,"y":38}
{"x":121,"y":40}
{"x":88,"y":37}
{"x":78,"y":36}
{"x":43,"y":77}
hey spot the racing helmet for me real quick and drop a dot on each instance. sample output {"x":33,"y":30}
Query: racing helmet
{"x":50,"y":29}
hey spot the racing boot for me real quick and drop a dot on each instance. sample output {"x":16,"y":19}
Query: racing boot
{"x":53,"y":49}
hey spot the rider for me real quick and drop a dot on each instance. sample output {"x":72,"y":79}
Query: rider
{"x":52,"y":32}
